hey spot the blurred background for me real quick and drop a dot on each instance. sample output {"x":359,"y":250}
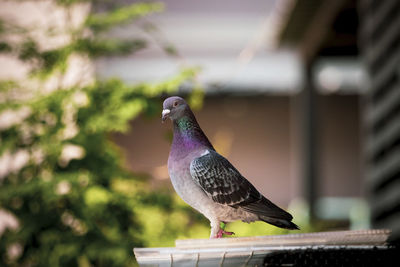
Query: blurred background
{"x":301,"y":96}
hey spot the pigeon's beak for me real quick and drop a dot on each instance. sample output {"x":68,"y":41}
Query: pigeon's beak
{"x":165,"y":114}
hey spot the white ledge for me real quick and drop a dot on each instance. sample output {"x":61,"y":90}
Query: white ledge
{"x":251,"y":251}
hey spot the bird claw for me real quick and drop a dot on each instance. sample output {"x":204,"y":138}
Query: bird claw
{"x":221,"y":232}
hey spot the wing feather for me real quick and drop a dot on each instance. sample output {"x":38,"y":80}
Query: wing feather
{"x":220,"y":180}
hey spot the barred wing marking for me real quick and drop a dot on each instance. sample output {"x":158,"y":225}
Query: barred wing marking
{"x":220,"y":180}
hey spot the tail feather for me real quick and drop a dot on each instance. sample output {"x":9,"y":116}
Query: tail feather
{"x":265,"y":208}
{"x":282,"y":223}
{"x":271,"y":213}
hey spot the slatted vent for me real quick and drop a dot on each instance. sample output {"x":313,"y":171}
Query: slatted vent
{"x":380,"y":43}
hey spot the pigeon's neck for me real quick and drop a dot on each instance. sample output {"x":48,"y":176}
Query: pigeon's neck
{"x":188,"y":134}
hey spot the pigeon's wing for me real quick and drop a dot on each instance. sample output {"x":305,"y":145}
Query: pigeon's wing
{"x":220,"y":180}
{"x":225,"y":185}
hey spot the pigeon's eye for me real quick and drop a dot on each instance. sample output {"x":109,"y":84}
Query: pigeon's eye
{"x":175,"y":104}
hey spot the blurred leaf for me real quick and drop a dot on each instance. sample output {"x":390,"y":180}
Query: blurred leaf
{"x":28,"y":50}
{"x":171,"y":50}
{"x":96,"y":195}
{"x":70,"y":2}
{"x":5,"y":47}
{"x":54,"y":59}
{"x":196,"y":98}
{"x":107,"y":47}
{"x":122,"y":15}
{"x":45,"y":62}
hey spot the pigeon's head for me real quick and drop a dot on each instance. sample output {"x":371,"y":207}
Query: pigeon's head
{"x":174,"y":107}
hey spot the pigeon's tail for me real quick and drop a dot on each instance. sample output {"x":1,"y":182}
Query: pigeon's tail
{"x":282,"y":223}
{"x":271,"y":213}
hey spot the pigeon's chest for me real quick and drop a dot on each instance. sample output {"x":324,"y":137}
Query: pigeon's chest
{"x":179,"y":171}
{"x":183,"y":183}
{"x":179,"y":160}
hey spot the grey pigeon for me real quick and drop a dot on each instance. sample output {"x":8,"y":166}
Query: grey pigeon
{"x":209,"y":182}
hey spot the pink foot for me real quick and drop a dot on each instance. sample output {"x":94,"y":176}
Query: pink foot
{"x":222,"y":232}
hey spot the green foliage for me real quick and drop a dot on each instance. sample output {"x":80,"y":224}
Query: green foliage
{"x":108,"y":47}
{"x":74,"y":202}
{"x":85,"y":206}
{"x":48,"y":62}
{"x":122,"y":15}
{"x":45,"y":61}
{"x":4,"y":47}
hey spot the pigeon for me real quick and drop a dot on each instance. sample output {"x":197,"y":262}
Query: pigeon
{"x":208,"y":182}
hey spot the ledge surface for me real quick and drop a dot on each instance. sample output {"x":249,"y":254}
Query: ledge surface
{"x":278,"y":250}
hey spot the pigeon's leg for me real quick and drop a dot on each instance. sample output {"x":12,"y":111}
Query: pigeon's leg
{"x":218,"y":230}
{"x":214,"y":229}
{"x":222,"y":231}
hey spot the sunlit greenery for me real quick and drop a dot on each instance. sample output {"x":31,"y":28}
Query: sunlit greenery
{"x":63,"y":179}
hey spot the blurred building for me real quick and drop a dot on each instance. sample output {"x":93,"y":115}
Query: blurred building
{"x":326,"y":29}
{"x":283,"y":83}
{"x":324,"y":34}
